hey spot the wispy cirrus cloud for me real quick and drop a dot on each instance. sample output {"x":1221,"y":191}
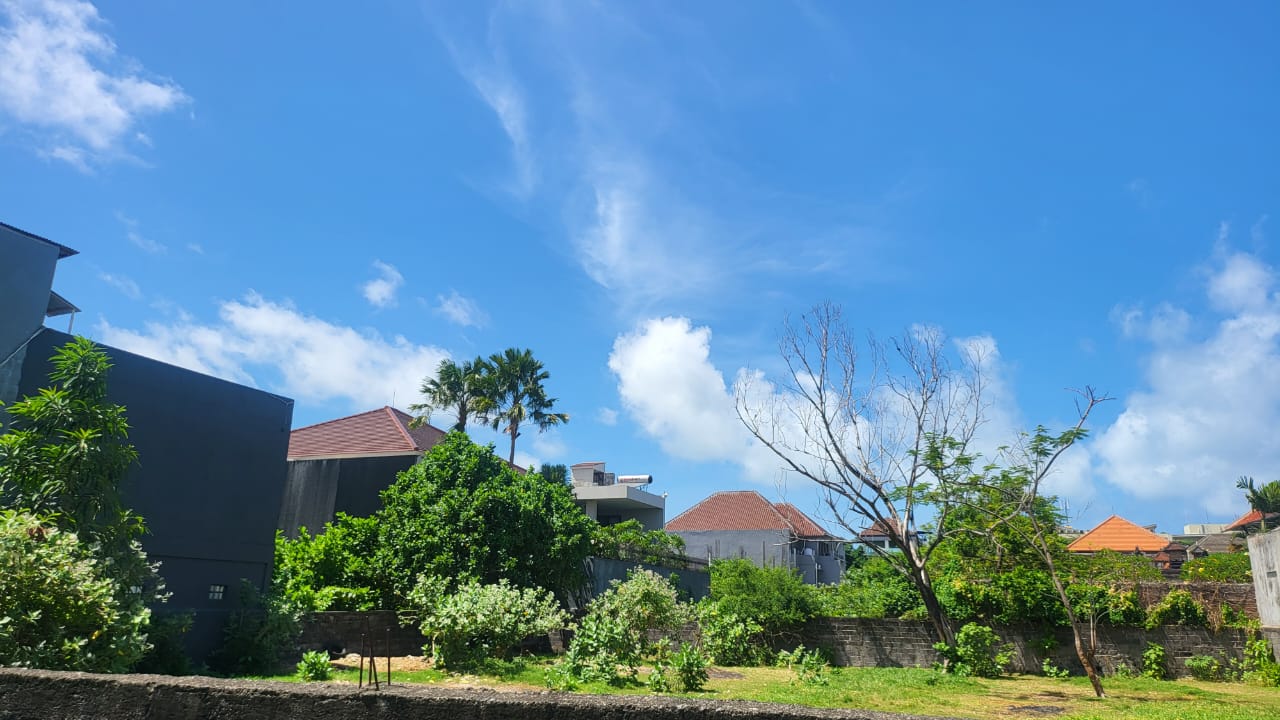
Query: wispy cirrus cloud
{"x":461,"y":310}
{"x":62,"y":80}
{"x":134,"y":234}
{"x":123,"y":283}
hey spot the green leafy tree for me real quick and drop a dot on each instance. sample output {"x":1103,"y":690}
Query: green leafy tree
{"x":1219,"y":567}
{"x":519,"y":396}
{"x":875,"y":589}
{"x":1265,"y":499}
{"x":466,"y":389}
{"x":331,"y":571}
{"x":62,"y":609}
{"x":462,"y":513}
{"x":628,"y":540}
{"x":64,"y":457}
{"x":775,"y":598}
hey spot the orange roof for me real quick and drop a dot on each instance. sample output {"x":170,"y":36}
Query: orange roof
{"x":384,"y":431}
{"x":1116,"y":533}
{"x":745,"y":510}
{"x":1253,"y":517}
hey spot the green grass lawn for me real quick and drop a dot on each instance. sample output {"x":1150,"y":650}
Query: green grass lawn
{"x":921,"y":692}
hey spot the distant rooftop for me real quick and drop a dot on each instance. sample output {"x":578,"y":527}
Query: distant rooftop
{"x":384,"y":431}
{"x":745,"y":510}
{"x":1116,"y":533}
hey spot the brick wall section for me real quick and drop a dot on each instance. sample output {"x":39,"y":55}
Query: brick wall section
{"x":339,"y":632}
{"x":909,"y":643}
{"x":1241,"y":597}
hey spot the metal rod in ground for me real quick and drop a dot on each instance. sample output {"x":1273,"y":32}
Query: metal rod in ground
{"x":361,"y":681}
{"x":388,"y":655}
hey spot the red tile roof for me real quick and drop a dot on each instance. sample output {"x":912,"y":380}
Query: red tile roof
{"x":384,"y":431}
{"x":745,"y":510}
{"x":1116,"y":533}
{"x":1251,"y":518}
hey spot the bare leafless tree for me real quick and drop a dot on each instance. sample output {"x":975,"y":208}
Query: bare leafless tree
{"x":883,"y":433}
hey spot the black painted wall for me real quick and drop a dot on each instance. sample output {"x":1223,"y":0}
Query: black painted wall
{"x":26,"y":276}
{"x":316,"y":490}
{"x":210,"y":475}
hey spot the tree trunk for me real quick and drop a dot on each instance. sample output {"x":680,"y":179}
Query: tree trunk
{"x":942,"y":629}
{"x":1084,"y":651}
{"x":514,"y":429}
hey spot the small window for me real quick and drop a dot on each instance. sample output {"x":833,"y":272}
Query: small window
{"x":216,"y":591}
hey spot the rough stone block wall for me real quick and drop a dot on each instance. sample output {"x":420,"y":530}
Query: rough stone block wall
{"x":865,"y":642}
{"x":340,"y":632}
{"x":1240,"y":597}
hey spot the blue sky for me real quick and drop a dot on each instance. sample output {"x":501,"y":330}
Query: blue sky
{"x":324,"y":203}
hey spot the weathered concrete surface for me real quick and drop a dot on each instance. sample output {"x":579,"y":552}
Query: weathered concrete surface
{"x":47,"y":695}
{"x":1264,"y":556}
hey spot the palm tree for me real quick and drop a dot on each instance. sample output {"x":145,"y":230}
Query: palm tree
{"x":1265,"y":499}
{"x":464,"y":388}
{"x":519,"y":396}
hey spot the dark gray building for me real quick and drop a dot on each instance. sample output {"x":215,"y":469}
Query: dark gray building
{"x":211,"y":467}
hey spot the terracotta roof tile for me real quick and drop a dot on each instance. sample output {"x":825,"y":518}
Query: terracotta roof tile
{"x":730,"y":510}
{"x":801,"y":524}
{"x":1116,"y":533}
{"x":1253,"y":517}
{"x":382,"y":431}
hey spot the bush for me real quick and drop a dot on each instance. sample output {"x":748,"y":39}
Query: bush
{"x":615,"y":630}
{"x":167,"y":654}
{"x":61,"y":609}
{"x":1260,"y":666}
{"x":978,"y":652}
{"x":775,"y":598}
{"x":874,"y":589}
{"x":1155,"y":662}
{"x":1177,"y":608}
{"x":480,"y":621}
{"x":330,"y":571}
{"x":810,"y":667}
{"x":315,"y":666}
{"x":1020,"y":595}
{"x":691,"y":667}
{"x":729,"y":639}
{"x":1107,"y":605}
{"x":1051,"y":670}
{"x":628,"y":540}
{"x":1222,"y":567}
{"x":1209,"y":668}
{"x":259,"y":633}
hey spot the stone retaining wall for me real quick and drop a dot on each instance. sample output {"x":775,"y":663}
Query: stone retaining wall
{"x":1240,"y":597}
{"x":45,"y":695}
{"x":909,"y":643}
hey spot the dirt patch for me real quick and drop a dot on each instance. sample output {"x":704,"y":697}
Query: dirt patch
{"x":1037,"y":709}
{"x":406,"y":663}
{"x":724,"y":674}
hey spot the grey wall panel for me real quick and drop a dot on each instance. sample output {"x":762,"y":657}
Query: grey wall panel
{"x":26,"y":277}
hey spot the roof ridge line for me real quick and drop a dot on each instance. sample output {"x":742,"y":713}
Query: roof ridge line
{"x":404,"y":430}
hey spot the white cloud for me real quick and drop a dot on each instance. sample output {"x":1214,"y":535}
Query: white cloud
{"x":461,"y":310}
{"x":196,"y":248}
{"x":263,"y":343}
{"x":549,"y":445}
{"x":60,"y":77}
{"x":670,"y":387}
{"x":1210,"y":405}
{"x":504,"y":96}
{"x":122,"y":283}
{"x":607,"y":416}
{"x":381,"y":291}
{"x":1166,"y":323}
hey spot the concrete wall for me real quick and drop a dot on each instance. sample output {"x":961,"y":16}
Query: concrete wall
{"x":1264,"y":556}
{"x":908,"y":643}
{"x":316,"y":490}
{"x":694,"y":584}
{"x":766,"y":548}
{"x":209,"y":479}
{"x":45,"y":695}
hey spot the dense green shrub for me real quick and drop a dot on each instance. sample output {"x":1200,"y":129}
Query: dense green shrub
{"x":1107,"y":605}
{"x":1110,"y":568}
{"x":476,"y":621}
{"x":628,"y":540}
{"x":462,"y":513}
{"x":61,"y":608}
{"x":1221,"y":567}
{"x":730,"y":639}
{"x":1177,"y":608}
{"x":1260,"y":666}
{"x":873,"y":589}
{"x":810,"y":666}
{"x":775,"y":598}
{"x":615,"y":631}
{"x":330,"y":571}
{"x":978,"y":652}
{"x":315,"y":667}
{"x":1020,"y":595}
